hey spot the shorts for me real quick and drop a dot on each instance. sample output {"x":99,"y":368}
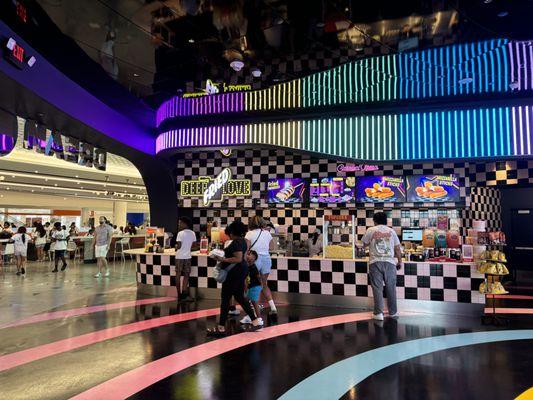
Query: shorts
{"x":254,"y":292}
{"x":184,"y":265}
{"x":59,"y":253}
{"x":264,"y":264}
{"x":100,"y":251}
{"x":21,"y":253}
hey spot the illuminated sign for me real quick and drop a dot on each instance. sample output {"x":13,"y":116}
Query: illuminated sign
{"x":216,"y":189}
{"x":16,"y":54}
{"x":356,"y":167}
{"x":216,"y":88}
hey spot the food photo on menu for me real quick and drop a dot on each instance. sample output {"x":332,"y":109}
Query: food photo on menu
{"x":380,"y":189}
{"x":286,"y":191}
{"x":332,"y":190}
{"x":433,"y":188}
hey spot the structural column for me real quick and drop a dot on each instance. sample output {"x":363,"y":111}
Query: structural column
{"x":120,"y":209}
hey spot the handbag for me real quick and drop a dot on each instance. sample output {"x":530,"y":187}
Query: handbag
{"x":220,"y":274}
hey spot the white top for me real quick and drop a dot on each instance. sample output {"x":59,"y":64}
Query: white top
{"x":19,"y":245}
{"x":60,"y":236}
{"x":381,"y":241}
{"x":262,"y":245}
{"x":186,"y":237}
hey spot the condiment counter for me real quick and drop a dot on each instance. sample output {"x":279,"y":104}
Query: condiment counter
{"x":421,"y":286}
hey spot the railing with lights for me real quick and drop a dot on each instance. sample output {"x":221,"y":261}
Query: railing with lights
{"x":493,"y":66}
{"x":455,"y":134}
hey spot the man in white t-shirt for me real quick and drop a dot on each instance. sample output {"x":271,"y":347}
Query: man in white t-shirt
{"x":385,"y":259}
{"x":184,"y":242}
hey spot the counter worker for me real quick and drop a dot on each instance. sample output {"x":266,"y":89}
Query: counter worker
{"x":103,"y":235}
{"x":259,"y":240}
{"x":315,"y":243}
{"x":385,"y":259}
{"x":184,"y":242}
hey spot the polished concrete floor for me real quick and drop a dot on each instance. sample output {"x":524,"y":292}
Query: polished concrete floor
{"x":70,"y":335}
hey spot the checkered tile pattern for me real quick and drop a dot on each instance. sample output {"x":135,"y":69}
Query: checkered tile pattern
{"x":418,"y":281}
{"x":262,"y":165}
{"x":485,"y":204}
{"x":502,"y":173}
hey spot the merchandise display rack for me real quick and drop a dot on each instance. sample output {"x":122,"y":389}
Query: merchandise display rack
{"x":490,"y":279}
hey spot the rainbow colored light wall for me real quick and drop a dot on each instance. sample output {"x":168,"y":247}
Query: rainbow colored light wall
{"x":454,"y":134}
{"x":466,"y":69}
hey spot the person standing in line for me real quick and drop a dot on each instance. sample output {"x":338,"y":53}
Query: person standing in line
{"x":234,"y":263}
{"x":60,"y":239}
{"x":40,"y":241}
{"x":103,"y":235}
{"x":73,"y":230}
{"x":385,"y":259}
{"x":253,"y":285}
{"x":184,"y":242}
{"x":259,"y":240}
{"x":21,"y":240}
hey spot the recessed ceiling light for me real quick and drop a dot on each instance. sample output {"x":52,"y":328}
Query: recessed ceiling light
{"x":77,"y":176}
{"x":236,"y":65}
{"x":487,"y":1}
{"x":64,"y":198}
{"x":191,"y":40}
{"x":12,"y":176}
{"x":36,"y":171}
{"x":136,"y":75}
{"x":32,"y":190}
{"x":502,"y":14}
{"x":55,"y":184}
{"x":94,"y":25}
{"x":256,"y":73}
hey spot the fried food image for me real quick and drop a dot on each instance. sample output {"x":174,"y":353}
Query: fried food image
{"x":379,"y":192}
{"x":430,"y":191}
{"x":350,"y":181}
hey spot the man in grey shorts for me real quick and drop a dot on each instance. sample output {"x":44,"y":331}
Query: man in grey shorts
{"x":184,"y":242}
{"x":385,"y":259}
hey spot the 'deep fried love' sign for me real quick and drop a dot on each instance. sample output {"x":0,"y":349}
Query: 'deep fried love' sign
{"x":216,"y":189}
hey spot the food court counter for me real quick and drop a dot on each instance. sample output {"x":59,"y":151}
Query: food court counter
{"x":449,"y":287}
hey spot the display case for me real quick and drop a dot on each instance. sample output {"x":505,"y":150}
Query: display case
{"x":339,"y":236}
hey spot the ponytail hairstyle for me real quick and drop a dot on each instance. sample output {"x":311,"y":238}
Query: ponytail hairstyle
{"x":22,"y":231}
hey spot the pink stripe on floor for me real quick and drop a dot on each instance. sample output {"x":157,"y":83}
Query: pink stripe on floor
{"x":509,"y":310}
{"x":83,"y":311}
{"x":13,"y":360}
{"x":131,"y":382}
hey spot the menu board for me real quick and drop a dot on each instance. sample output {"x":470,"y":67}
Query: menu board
{"x":284,"y":191}
{"x":332,"y":190}
{"x":380,"y":189}
{"x":433,"y":188}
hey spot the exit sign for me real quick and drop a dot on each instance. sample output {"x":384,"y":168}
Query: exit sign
{"x":16,"y":54}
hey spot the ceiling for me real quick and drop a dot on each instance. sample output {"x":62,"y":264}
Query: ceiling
{"x":160,"y":46}
{"x":26,"y":171}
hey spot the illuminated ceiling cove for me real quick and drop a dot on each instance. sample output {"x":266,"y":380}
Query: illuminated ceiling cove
{"x":493,"y":66}
{"x":454,"y":134}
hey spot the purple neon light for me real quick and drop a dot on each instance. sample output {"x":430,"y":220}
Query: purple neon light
{"x":232,"y":135}
{"x":211,"y":104}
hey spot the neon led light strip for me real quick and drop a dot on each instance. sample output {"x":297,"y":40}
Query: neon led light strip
{"x":422,"y":74}
{"x":455,"y":134}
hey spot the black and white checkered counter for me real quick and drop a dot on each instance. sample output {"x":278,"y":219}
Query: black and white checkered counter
{"x":427,"y":284}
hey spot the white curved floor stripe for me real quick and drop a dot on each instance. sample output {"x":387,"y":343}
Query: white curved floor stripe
{"x":334,"y":381}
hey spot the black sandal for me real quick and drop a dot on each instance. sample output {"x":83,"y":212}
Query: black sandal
{"x":215,"y":332}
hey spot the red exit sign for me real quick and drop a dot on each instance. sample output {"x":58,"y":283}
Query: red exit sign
{"x":18,"y":53}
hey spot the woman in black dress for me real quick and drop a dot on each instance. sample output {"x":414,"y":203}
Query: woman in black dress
{"x":233,"y":286}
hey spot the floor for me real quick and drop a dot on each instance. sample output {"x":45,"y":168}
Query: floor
{"x":70,"y":335}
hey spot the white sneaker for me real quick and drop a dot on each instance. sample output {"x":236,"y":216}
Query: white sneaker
{"x":234,"y":312}
{"x":396,"y":315}
{"x":378,"y":317}
{"x":246,"y":320}
{"x":261,"y":321}
{"x":98,"y":275}
{"x":107,"y":273}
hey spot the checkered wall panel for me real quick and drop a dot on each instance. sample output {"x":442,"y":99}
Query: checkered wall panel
{"x":262,"y":165}
{"x":417,"y":281}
